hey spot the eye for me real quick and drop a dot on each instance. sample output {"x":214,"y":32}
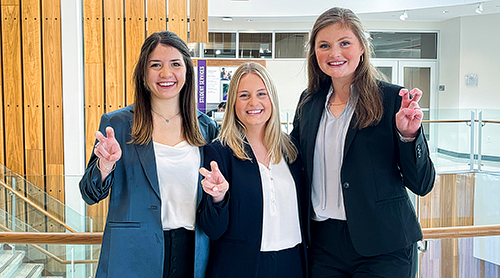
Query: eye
{"x":262,"y":93}
{"x":243,"y":95}
{"x":176,"y":64}
{"x":155,"y":65}
{"x":323,"y":46}
{"x":345,"y":43}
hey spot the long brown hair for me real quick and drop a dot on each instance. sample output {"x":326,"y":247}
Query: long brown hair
{"x":369,"y":108}
{"x":142,"y":130}
{"x":233,"y":131}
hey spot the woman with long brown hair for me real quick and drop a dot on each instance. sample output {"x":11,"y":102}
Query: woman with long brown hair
{"x":148,"y":164}
{"x":362,"y":145}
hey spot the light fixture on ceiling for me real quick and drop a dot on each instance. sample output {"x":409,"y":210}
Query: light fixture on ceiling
{"x":403,"y":16}
{"x":227,"y":19}
{"x":446,"y":12}
{"x":479,"y":8}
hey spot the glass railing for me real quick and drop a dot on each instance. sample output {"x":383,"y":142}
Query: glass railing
{"x":58,"y":260}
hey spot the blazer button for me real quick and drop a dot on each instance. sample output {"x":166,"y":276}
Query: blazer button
{"x":345,"y":185}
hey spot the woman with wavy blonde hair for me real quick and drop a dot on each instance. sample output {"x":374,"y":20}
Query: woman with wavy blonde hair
{"x":252,"y":208}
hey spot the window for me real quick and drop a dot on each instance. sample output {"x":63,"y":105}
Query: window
{"x":220,"y":45}
{"x":405,"y":45}
{"x":291,"y":45}
{"x":256,"y":45}
{"x":194,"y":49}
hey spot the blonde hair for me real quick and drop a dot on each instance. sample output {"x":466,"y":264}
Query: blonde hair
{"x":369,"y":109}
{"x":233,"y":131}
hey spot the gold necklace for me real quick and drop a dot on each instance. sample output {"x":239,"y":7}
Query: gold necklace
{"x":336,"y":104}
{"x":167,"y":120}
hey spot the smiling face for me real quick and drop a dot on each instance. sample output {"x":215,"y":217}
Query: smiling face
{"x":166,"y":73}
{"x":253,"y":106}
{"x":338,"y":52}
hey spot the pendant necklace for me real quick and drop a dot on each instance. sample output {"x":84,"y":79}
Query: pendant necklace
{"x":167,"y":120}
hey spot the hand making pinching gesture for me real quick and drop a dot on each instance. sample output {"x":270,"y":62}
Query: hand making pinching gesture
{"x":214,"y":183}
{"x":108,"y":151}
{"x":409,"y":116}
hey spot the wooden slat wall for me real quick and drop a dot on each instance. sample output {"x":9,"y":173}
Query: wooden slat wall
{"x":198,"y":21}
{"x":94,"y":82}
{"x":114,"y":49}
{"x":157,"y":16}
{"x":451,"y":204}
{"x":177,"y":18}
{"x":13,"y":96}
{"x":135,"y":34}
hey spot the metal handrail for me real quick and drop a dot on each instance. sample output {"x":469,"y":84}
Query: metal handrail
{"x":46,"y":213}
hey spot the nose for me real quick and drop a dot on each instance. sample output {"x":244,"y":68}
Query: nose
{"x":164,"y":72}
{"x":335,"y":51}
{"x":252,"y":100}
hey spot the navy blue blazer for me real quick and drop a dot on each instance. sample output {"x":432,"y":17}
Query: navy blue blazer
{"x":376,"y":170}
{"x":132,"y":244}
{"x":235,"y":225}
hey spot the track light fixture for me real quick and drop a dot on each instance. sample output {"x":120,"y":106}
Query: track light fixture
{"x":479,"y":8}
{"x":403,"y":16}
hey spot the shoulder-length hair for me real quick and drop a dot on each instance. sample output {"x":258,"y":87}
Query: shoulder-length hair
{"x":233,"y":131}
{"x":369,"y":109}
{"x":142,"y":130}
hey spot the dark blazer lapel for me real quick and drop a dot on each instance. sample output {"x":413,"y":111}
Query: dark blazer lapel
{"x":148,"y":161}
{"x":312,"y":113}
{"x":351,"y":133}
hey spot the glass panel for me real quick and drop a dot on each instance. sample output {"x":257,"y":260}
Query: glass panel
{"x":51,"y":259}
{"x":450,"y":145}
{"x":256,"y":45}
{"x":220,"y":45}
{"x":489,"y":140}
{"x":387,"y":71}
{"x":404,"y":45}
{"x":291,"y":45}
{"x":457,"y":258}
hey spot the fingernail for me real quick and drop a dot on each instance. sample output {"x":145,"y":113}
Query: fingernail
{"x":215,"y":189}
{"x":412,"y":111}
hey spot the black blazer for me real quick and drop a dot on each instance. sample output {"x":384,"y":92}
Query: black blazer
{"x":235,"y":224}
{"x":377,"y":168}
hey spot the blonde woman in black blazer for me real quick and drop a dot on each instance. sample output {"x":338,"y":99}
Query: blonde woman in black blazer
{"x":255,"y":218}
{"x":362,"y":146}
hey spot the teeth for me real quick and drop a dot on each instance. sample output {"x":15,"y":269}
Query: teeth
{"x":336,"y":63}
{"x":254,"y":111}
{"x":166,"y":83}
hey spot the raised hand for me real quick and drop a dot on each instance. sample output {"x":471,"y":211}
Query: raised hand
{"x":214,"y":183}
{"x":409,"y":116}
{"x":107,"y":149}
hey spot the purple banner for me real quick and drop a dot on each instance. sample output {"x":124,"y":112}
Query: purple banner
{"x":202,"y":76}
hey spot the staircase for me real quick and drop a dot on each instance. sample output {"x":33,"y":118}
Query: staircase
{"x":11,"y":265}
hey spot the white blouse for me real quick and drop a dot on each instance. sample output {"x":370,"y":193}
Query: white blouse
{"x":280,"y":225}
{"x":177,"y":169}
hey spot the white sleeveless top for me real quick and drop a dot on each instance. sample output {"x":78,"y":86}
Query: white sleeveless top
{"x":177,"y":167}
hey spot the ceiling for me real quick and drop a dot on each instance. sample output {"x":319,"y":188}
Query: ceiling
{"x":380,"y":10}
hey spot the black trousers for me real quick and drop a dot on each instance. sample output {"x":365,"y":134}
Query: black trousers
{"x":179,"y":253}
{"x":284,"y":263}
{"x":332,"y":254}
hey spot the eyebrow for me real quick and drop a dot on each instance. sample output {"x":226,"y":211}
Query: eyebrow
{"x":173,"y":60}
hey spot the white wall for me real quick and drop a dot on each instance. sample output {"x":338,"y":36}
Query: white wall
{"x":290,"y":77}
{"x":479,"y":54}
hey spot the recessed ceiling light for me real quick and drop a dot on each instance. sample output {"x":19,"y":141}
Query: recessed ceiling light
{"x":446,"y":12}
{"x":227,"y":19}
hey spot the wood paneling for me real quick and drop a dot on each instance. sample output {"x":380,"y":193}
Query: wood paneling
{"x":94,"y":78}
{"x":157,"y":16}
{"x":114,"y":54}
{"x":134,"y":36}
{"x":198,"y":21}
{"x":12,"y":85}
{"x":177,"y":18}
